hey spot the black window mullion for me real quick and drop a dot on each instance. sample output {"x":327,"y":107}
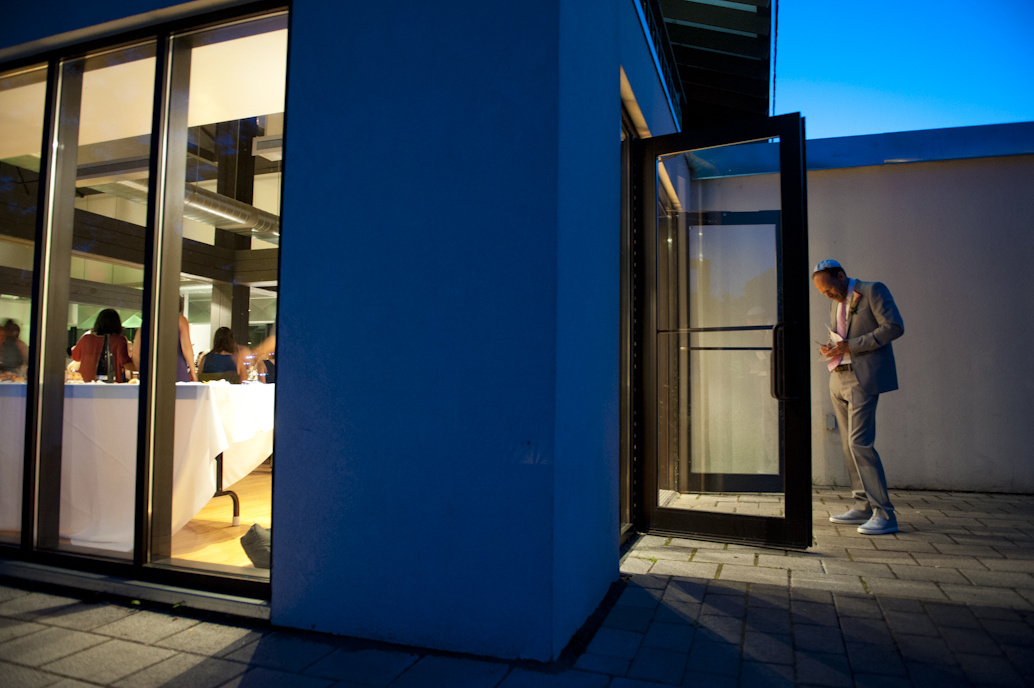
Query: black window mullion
{"x":36,"y":326}
{"x":52,"y":272}
{"x":160,"y":338}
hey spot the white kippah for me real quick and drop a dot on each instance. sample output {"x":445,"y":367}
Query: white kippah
{"x":826,"y":265}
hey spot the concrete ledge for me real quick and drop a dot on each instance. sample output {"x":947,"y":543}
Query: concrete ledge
{"x":152,"y":592}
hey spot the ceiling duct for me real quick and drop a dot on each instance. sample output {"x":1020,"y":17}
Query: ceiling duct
{"x":268,"y":147}
{"x":209,"y":208}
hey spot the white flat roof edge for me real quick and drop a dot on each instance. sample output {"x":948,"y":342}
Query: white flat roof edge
{"x":925,"y":145}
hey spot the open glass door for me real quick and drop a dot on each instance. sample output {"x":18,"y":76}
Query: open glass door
{"x":725,"y":442}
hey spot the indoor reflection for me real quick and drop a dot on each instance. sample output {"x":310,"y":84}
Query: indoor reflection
{"x":232,"y":177}
{"x":717,"y":302}
{"x":217,"y":501}
{"x":22,"y":95}
{"x":105,"y":104}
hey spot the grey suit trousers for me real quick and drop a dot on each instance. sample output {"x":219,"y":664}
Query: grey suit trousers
{"x":856,"y":416}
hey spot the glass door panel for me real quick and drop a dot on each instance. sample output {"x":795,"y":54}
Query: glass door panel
{"x":224,"y":175}
{"x":718,"y":299}
{"x":95,"y":299}
{"x":22,"y":96}
{"x":724,"y":242}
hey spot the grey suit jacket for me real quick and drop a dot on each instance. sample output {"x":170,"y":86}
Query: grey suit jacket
{"x":871,"y":326}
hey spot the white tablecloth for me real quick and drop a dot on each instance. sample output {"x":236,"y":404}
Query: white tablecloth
{"x":98,"y":464}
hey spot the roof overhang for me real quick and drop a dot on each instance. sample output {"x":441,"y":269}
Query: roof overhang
{"x":722,"y":51}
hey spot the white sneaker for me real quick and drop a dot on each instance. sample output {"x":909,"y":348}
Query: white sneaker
{"x":879,"y":526}
{"x":851,"y":517}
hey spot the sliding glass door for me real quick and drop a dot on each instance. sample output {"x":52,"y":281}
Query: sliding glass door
{"x":139,"y":242}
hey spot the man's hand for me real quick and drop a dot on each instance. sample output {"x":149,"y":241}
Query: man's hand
{"x":834,"y":350}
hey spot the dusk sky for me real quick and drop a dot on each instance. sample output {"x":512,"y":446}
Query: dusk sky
{"x":879,"y":66}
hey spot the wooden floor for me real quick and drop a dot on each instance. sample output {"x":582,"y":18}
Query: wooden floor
{"x":211,"y":539}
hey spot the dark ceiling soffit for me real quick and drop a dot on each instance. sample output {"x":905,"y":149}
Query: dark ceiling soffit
{"x":722,"y":57}
{"x":717,"y":17}
{"x":753,"y":47}
{"x":743,"y":67}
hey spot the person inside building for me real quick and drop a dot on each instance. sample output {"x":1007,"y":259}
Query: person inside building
{"x":265,"y":359}
{"x":103,"y":353}
{"x":224,"y":358}
{"x":186,"y":371}
{"x":14,"y":355}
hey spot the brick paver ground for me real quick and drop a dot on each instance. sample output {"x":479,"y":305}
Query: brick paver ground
{"x":948,"y":601}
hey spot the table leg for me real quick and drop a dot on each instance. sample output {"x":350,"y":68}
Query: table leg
{"x":219,"y":492}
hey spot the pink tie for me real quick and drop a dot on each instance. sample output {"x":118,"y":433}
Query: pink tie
{"x":841,"y":330}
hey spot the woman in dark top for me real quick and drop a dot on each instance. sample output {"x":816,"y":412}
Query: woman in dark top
{"x":13,"y":352}
{"x":90,"y":347}
{"x":225,"y":355}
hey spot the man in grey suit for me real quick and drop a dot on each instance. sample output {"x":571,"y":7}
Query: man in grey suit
{"x":863,"y":322}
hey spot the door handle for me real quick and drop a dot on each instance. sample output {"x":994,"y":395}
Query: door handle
{"x":779,"y":363}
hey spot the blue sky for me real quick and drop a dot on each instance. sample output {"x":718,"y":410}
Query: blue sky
{"x":879,"y":66}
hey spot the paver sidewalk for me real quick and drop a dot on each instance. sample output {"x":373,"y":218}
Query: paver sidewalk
{"x":949,"y":601}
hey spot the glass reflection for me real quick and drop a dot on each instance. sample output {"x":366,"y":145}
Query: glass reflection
{"x":232,"y":82}
{"x":22,"y":95}
{"x":105,"y":108}
{"x":717,"y":300}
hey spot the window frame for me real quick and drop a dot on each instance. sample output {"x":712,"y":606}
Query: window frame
{"x":44,"y":395}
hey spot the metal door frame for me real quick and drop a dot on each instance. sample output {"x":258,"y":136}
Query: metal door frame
{"x":791,"y":342}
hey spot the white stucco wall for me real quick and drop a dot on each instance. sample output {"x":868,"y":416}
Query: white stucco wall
{"x":953,"y":242}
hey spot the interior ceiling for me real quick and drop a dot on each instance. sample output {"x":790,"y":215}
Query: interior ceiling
{"x":722,"y":51}
{"x":229,"y":81}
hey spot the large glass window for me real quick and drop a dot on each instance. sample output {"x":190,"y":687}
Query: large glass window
{"x":226,"y":137}
{"x":96,"y":268}
{"x":157,"y":282}
{"x":22,"y":96}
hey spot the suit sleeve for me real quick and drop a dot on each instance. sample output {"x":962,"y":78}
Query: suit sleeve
{"x":889,"y":325}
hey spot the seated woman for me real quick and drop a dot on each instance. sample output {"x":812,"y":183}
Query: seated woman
{"x":90,"y":347}
{"x":265,"y":359}
{"x":14,"y":355}
{"x":225,"y":356}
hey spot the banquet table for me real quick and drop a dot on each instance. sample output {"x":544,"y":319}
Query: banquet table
{"x":98,"y":461}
